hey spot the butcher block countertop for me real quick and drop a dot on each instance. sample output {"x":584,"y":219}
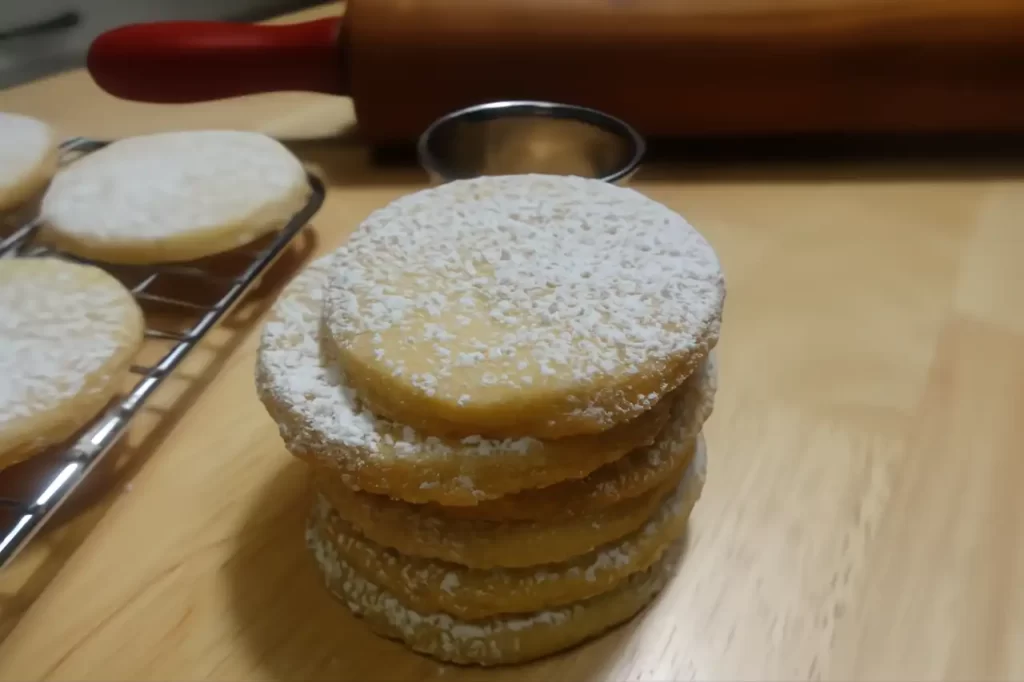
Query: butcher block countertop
{"x":862,"y":517}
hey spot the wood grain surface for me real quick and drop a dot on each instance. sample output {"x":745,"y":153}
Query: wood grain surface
{"x":862,"y":517}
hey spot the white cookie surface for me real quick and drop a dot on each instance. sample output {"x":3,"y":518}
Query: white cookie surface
{"x":322,"y":419}
{"x":173,"y":196}
{"x":522,"y":305}
{"x":68,"y":334}
{"x":28,"y":159}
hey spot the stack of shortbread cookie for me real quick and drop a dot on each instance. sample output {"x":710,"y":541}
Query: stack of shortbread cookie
{"x":499,"y":385}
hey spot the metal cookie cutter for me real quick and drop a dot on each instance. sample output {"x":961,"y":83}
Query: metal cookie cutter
{"x":516,"y":137}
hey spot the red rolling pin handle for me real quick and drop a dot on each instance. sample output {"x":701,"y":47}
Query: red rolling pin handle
{"x":192,"y":61}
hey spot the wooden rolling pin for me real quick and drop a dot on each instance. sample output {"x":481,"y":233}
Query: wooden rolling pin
{"x":669,"y":67}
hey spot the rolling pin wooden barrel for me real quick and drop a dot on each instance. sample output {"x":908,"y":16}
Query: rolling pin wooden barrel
{"x":672,"y":68}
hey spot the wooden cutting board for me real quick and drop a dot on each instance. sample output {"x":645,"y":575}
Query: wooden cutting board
{"x":862,"y":518}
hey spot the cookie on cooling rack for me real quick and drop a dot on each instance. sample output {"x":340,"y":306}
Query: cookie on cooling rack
{"x":68,"y":334}
{"x":173,"y":196}
{"x":28,"y":159}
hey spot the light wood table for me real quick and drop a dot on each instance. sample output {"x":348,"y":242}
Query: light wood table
{"x":862,"y":518}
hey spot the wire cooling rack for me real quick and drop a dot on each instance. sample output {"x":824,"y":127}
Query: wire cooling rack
{"x":71,"y":465}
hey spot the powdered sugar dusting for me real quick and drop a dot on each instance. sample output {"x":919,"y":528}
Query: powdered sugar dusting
{"x":633,"y":475}
{"x":688,"y":415}
{"x":292,"y":368}
{"x":171,"y":184}
{"x":569,"y":281}
{"x":24,"y":143}
{"x":490,"y":641}
{"x":335,"y":568}
{"x":317,"y":411}
{"x":474,"y":593}
{"x":61,"y":324}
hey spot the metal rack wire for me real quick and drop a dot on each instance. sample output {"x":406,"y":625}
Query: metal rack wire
{"x":80,"y":456}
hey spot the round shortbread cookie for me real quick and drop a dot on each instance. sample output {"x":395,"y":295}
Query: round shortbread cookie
{"x":417,"y":531}
{"x":428,"y":586}
{"x":68,"y":334}
{"x":173,"y":196}
{"x":625,"y":478}
{"x":322,"y":421}
{"x":500,"y":640}
{"x":28,"y":159}
{"x":524,"y":305}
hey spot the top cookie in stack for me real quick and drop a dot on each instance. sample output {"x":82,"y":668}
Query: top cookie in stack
{"x":537,"y":320}
{"x":522,"y":306}
{"x":497,"y":379}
